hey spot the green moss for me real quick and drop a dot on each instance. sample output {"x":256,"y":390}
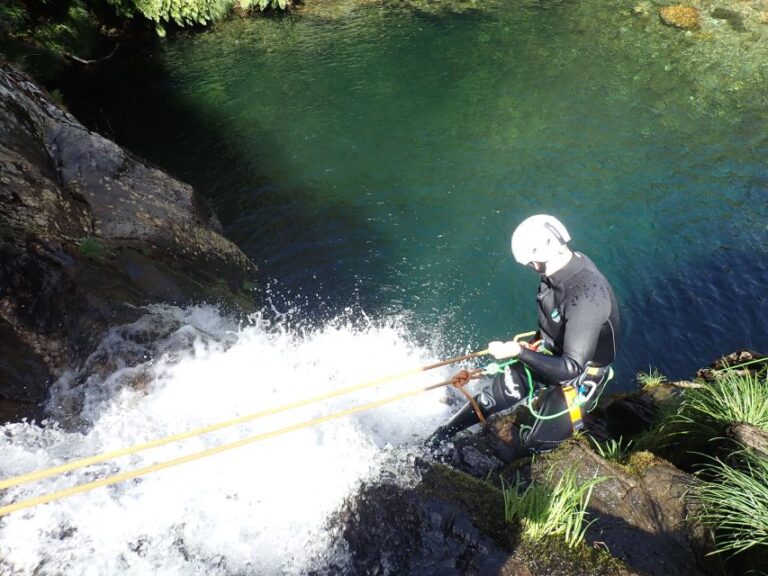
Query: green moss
{"x":553,"y":557}
{"x":632,"y":459}
{"x":484,"y":503}
{"x":638,"y":462}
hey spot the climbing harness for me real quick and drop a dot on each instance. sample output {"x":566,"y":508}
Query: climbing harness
{"x":577,"y":394}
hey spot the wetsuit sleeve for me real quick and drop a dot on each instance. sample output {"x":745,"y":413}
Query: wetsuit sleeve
{"x":584,"y":320}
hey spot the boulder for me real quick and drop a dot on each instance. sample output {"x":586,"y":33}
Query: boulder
{"x":746,"y":361}
{"x":451,"y":524}
{"x":641,"y":513}
{"x":88,"y":234}
{"x":750,"y":437}
{"x":680,"y":16}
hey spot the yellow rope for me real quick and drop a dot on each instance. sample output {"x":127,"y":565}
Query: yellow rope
{"x":75,"y":464}
{"x":109,"y":480}
{"x":114,"y":479}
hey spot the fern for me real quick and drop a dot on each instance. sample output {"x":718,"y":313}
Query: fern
{"x":189,"y":12}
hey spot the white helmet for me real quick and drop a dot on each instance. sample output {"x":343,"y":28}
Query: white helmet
{"x":539,"y":239}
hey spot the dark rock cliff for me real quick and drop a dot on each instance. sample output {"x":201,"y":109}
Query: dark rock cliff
{"x":88,"y":232}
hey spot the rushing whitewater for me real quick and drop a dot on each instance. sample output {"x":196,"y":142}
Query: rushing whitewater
{"x":261,"y":509}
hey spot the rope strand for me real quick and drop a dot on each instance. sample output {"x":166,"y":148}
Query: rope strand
{"x":123,"y":476}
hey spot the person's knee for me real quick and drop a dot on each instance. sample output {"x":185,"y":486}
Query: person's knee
{"x":552,"y":422}
{"x":486,"y":401}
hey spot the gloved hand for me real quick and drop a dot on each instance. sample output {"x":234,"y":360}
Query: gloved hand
{"x":501,"y":350}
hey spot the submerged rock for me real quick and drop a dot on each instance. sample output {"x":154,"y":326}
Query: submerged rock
{"x":680,"y":16}
{"x":733,"y":18}
{"x":88,"y":234}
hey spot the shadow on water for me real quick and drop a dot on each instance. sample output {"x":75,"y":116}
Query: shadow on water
{"x":272,"y":223}
{"x":682,"y":324}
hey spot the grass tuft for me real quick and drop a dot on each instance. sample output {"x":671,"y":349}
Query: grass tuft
{"x":651,"y":379}
{"x":545,"y":511}
{"x":730,"y":397}
{"x":92,"y":248}
{"x":630,"y":457}
{"x":614,"y":450}
{"x":734,"y":502}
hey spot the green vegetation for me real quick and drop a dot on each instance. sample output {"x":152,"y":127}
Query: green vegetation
{"x":614,"y":450}
{"x":706,"y":411}
{"x":92,"y":248}
{"x":629,"y":456}
{"x":734,"y":502}
{"x":651,"y":379}
{"x":179,"y":12}
{"x":546,"y":511}
{"x":39,"y":35}
{"x":190,"y":12}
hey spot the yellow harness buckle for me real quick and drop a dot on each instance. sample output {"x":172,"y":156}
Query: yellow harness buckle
{"x":574,"y":409}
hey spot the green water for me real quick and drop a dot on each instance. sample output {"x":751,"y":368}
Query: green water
{"x":380,"y":156}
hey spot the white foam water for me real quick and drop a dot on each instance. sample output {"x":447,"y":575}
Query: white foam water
{"x":260,"y":509}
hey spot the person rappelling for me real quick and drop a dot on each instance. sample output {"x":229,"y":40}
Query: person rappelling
{"x":564,"y":368}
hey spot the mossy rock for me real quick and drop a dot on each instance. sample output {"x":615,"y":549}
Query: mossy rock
{"x":640,"y":510}
{"x":481,"y":500}
{"x":553,"y":557}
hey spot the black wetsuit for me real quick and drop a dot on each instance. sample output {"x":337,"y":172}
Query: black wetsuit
{"x":578,"y":320}
{"x":579,"y":324}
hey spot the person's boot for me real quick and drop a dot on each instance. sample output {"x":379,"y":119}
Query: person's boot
{"x":462,"y":420}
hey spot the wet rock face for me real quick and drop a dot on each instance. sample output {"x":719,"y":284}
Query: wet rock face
{"x":679,"y":16}
{"x":87,"y":233}
{"x":392,"y":530}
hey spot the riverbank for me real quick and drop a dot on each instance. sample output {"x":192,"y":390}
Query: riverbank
{"x":728,"y":34}
{"x":645,"y":515}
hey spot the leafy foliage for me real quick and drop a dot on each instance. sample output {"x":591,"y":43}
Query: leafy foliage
{"x":13,"y":16}
{"x":734,"y":502}
{"x":189,"y":12}
{"x":546,"y":511}
{"x":36,"y":35}
{"x":264,"y":4}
